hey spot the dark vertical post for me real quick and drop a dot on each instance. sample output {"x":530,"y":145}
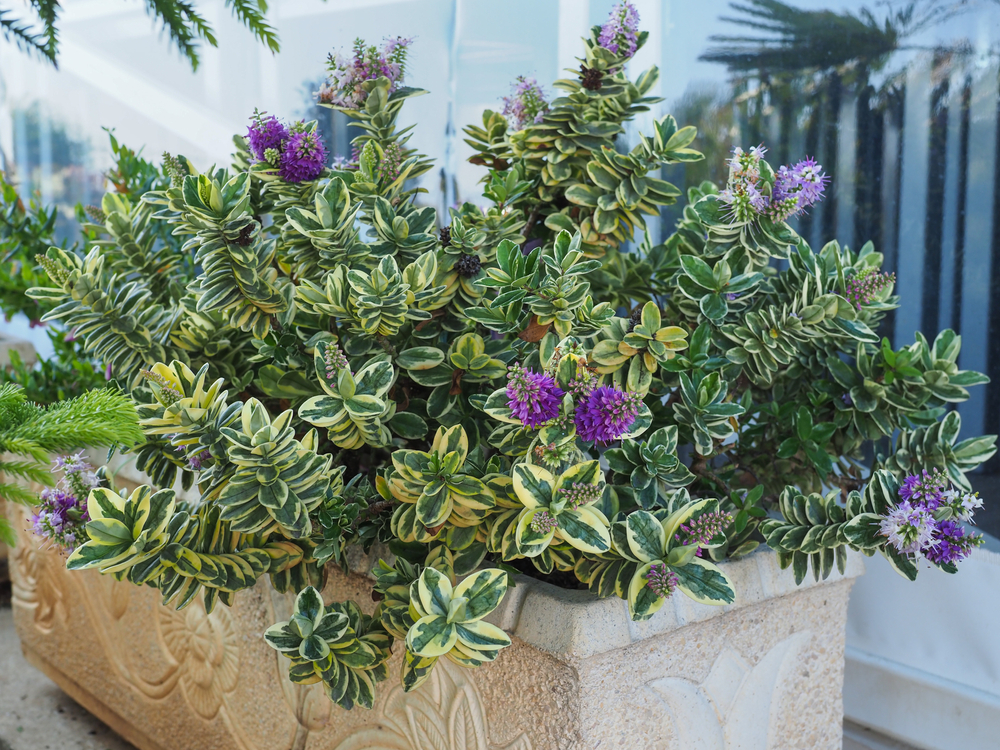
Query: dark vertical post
{"x":934,"y":221}
{"x":963,"y":186}
{"x":834,"y":88}
{"x":869,"y":155}
{"x":991,"y":420}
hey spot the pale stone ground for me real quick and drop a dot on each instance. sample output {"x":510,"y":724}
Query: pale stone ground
{"x":36,"y":715}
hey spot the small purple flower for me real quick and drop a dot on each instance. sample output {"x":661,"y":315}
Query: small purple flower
{"x":265,"y":133}
{"x":620,"y":33}
{"x":533,"y":397}
{"x":867,"y":286}
{"x":526,"y":104}
{"x":303,"y":157}
{"x":796,"y":188}
{"x":543,"y":522}
{"x":61,"y":514}
{"x":951,"y":544}
{"x":198,"y":461}
{"x":661,"y":581}
{"x":579,"y":494}
{"x":344,"y":86}
{"x":924,"y":489}
{"x":334,"y":360}
{"x":606,"y":414}
{"x":909,"y":529}
{"x":388,"y":167}
{"x":704,"y":529}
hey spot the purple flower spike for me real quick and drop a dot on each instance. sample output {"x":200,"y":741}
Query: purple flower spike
{"x":620,"y":33}
{"x":526,"y":104}
{"x":303,"y":157}
{"x":606,"y":414}
{"x":909,"y":529}
{"x":952,"y":544}
{"x":534,"y":398}
{"x":266,"y":132}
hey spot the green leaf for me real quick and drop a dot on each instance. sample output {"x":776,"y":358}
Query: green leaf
{"x":585,"y":529}
{"x":705,"y":582}
{"x":420,"y":358}
{"x":803,"y":423}
{"x":533,"y":485}
{"x":431,"y":636}
{"x":408,"y":425}
{"x":484,"y":590}
{"x":646,"y":538}
{"x":699,"y":270}
{"x":643,"y":602}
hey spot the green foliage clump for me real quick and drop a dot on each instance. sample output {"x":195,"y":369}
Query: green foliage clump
{"x":346,"y":367}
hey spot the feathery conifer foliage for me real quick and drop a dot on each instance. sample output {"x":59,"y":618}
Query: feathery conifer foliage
{"x":98,"y":418}
{"x":186,"y":28}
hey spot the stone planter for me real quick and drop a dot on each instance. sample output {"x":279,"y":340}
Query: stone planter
{"x":766,"y":672}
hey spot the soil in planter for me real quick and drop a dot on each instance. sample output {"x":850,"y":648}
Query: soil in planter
{"x":556,"y":578}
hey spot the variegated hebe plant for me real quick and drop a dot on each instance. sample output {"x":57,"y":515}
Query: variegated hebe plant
{"x":519,"y":390}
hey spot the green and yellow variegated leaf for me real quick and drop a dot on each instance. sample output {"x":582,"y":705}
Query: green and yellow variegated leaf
{"x":533,"y":485}
{"x":586,"y":529}
{"x":704,"y":582}
{"x":484,"y":590}
{"x":647,"y":540}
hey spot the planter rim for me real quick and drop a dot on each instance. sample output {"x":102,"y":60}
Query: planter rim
{"x":573,"y":625}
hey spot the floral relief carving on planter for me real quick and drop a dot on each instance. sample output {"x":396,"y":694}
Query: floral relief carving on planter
{"x":32,"y":587}
{"x":722,"y":712}
{"x":205,"y":647}
{"x":446,"y":714}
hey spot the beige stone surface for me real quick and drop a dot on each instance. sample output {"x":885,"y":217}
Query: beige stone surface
{"x":765,"y":672}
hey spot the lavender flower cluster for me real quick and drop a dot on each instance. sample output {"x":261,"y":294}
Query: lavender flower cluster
{"x":795,"y":188}
{"x":927,"y":520}
{"x":865,"y":287}
{"x":526,"y":104}
{"x":620,"y":33}
{"x":344,"y":87}
{"x":62,"y":510}
{"x":602,"y":414}
{"x":297,"y":153}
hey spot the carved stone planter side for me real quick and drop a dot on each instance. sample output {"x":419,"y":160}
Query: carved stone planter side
{"x":766,"y":672}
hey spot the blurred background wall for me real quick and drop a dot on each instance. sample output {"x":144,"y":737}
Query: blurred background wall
{"x":899,"y":101}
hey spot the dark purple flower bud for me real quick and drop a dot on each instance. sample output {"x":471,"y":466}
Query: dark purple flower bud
{"x":606,"y":414}
{"x":266,"y":132}
{"x":533,"y":397}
